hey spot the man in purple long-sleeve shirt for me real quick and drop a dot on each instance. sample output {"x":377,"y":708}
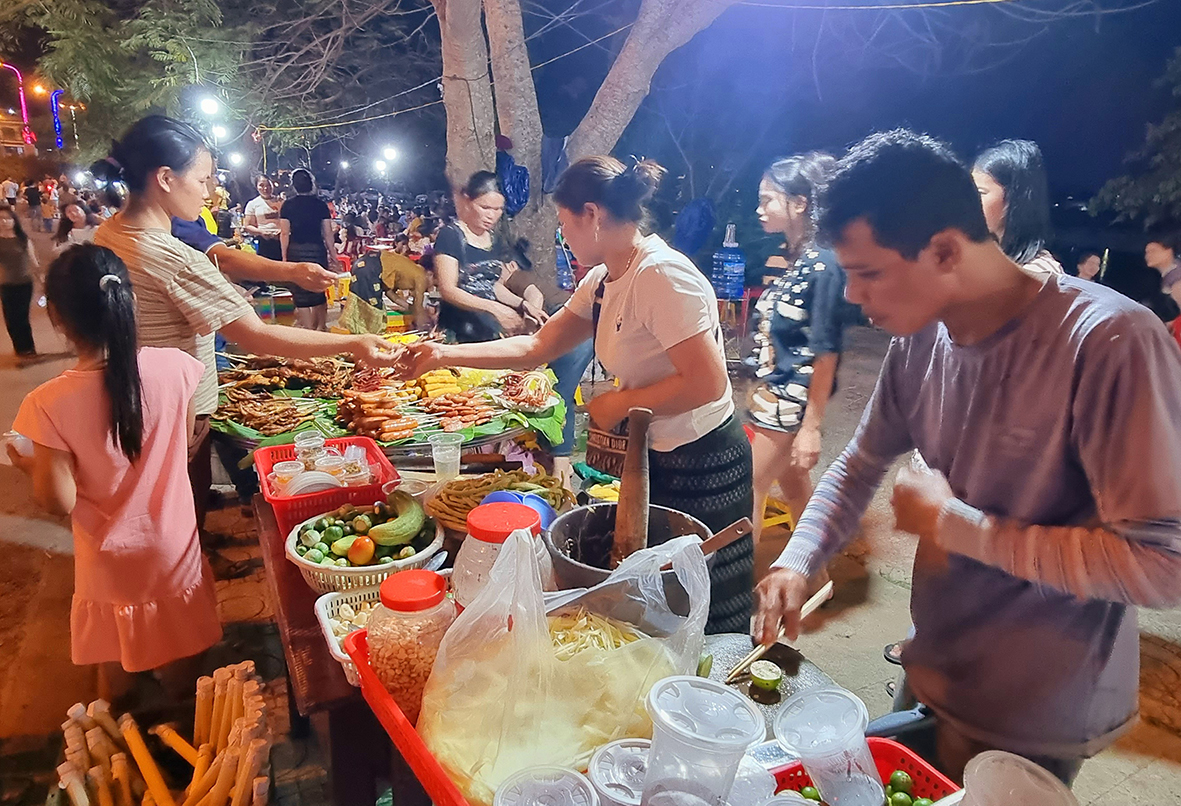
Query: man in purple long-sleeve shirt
{"x":1049,"y":413}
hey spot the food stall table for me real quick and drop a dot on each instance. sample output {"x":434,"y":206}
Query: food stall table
{"x":357,"y":748}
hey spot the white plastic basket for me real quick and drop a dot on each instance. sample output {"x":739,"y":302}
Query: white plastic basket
{"x":328,"y":607}
{"x":324,"y":579}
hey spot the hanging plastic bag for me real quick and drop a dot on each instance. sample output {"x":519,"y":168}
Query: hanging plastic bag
{"x":505,"y":695}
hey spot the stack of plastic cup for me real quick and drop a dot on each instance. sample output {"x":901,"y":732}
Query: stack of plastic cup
{"x":546,"y":786}
{"x":825,"y":727}
{"x":996,"y":778}
{"x":445,"y":449}
{"x":789,"y":797}
{"x":617,"y":771}
{"x":700,"y":731}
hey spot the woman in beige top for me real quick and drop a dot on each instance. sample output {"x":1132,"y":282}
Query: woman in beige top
{"x":181,"y":298}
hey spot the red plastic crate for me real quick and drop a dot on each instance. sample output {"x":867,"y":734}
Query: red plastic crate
{"x":290,"y":511}
{"x":889,"y":755}
{"x":426,"y":768}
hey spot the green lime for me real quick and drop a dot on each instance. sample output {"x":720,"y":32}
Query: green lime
{"x":765,"y":675}
{"x":705,"y":665}
{"x":901,"y":781}
{"x":314,"y":555}
{"x":901,"y":799}
{"x":924,"y":802}
{"x":810,"y":792}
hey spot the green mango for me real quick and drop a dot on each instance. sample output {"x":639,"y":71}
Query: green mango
{"x":340,"y":547}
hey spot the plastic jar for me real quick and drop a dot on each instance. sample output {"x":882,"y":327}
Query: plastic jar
{"x":825,"y":727}
{"x":333,"y":465}
{"x":288,"y":470}
{"x":405,"y":631}
{"x":488,"y":526}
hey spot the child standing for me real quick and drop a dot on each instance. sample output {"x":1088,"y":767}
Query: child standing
{"x":109,"y":448}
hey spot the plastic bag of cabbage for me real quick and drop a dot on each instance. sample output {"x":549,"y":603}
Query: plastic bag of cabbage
{"x":519,"y":684}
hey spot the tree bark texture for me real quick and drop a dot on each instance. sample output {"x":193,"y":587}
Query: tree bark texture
{"x":467,"y":90}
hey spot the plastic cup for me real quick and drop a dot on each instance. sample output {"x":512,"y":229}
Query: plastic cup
{"x":997,"y":778}
{"x":789,"y":798}
{"x":753,"y":785}
{"x":700,"y":731}
{"x":825,"y":727}
{"x":308,"y":455}
{"x":445,"y":449}
{"x":617,"y":771}
{"x":546,"y":786}
{"x":309,"y":439}
{"x":334,"y":465}
{"x":286,"y":471}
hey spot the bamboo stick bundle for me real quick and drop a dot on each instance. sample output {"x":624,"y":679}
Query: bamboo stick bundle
{"x":74,"y":784}
{"x":100,"y":712}
{"x":203,"y":719}
{"x":255,"y":756}
{"x":205,"y":785}
{"x":100,"y":782}
{"x":225,"y":778}
{"x":77,"y":753}
{"x":145,"y":762}
{"x":220,"y":725}
{"x":259,"y":790}
{"x":174,"y":740}
{"x":204,"y":760}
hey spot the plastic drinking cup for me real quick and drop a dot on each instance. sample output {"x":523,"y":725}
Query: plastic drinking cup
{"x":617,"y":771}
{"x":286,"y":471}
{"x":997,"y":778}
{"x":309,"y":439}
{"x":700,"y":732}
{"x":546,"y":786}
{"x":445,"y":449}
{"x":825,"y":727}
{"x":334,"y":465}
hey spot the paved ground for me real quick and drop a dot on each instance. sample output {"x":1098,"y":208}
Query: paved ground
{"x":38,"y":682}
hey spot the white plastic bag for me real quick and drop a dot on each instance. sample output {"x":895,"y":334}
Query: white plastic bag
{"x":498,"y":700}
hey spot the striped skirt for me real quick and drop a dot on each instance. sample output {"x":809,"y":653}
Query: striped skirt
{"x":710,"y":479}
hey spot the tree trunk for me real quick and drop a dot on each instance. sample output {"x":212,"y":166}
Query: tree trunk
{"x":661,"y":27}
{"x":467,"y":90}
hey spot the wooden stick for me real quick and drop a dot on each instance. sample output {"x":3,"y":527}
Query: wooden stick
{"x":170,"y":737}
{"x":204,"y":759}
{"x":259,"y":789}
{"x":76,"y":750}
{"x":75,"y":786}
{"x":100,"y":712}
{"x":148,"y":800}
{"x":203,"y":719}
{"x":221,"y":679}
{"x":248,"y":770}
{"x":121,"y":770}
{"x":818,"y":598}
{"x":225,"y":779}
{"x":234,"y":695}
{"x":100,"y":748}
{"x":100,"y":782}
{"x":77,"y":712}
{"x":205,"y":785}
{"x":145,"y":762}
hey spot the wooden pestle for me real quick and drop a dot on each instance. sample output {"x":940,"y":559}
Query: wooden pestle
{"x":248,"y":769}
{"x":203,"y":718}
{"x":259,"y":790}
{"x":121,"y":771}
{"x":100,"y":748}
{"x":204,"y":760}
{"x":100,"y":712}
{"x":631,"y":513}
{"x":143,"y":759}
{"x":221,"y":680}
{"x":77,"y":753}
{"x":100,"y":783}
{"x":174,"y":740}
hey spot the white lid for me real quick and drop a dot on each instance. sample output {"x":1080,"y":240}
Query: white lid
{"x":789,"y":797}
{"x":821,"y":721}
{"x":546,"y":786}
{"x":997,"y":777}
{"x":703,"y":712}
{"x":617,"y":770}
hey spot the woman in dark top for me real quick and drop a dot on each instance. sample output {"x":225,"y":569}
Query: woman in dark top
{"x":797,"y":336}
{"x":17,"y":261}
{"x":470,"y":269}
{"x":305,"y":233}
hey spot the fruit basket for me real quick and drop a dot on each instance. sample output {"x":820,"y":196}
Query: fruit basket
{"x":888,"y":755}
{"x":325,"y":578}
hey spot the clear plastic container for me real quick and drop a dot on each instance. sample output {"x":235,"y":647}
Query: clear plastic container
{"x":825,"y":727}
{"x":488,"y":526}
{"x":752,"y":784}
{"x":445,"y":451}
{"x":546,"y":786}
{"x":700,"y":731}
{"x":405,"y":631}
{"x":617,"y":771}
{"x":332,"y":465}
{"x":286,"y":471}
{"x":309,"y":455}
{"x":309,"y":439}
{"x":789,"y":797}
{"x":359,"y":478}
{"x":997,"y":778}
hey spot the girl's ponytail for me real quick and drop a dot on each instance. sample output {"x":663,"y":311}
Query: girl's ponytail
{"x":89,"y":294}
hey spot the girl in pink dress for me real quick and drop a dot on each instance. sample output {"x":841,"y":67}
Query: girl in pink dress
{"x":109,"y":449}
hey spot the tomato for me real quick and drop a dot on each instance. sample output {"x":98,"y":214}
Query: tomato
{"x":361,"y":552}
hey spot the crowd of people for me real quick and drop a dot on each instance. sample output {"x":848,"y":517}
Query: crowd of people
{"x":1028,"y":399}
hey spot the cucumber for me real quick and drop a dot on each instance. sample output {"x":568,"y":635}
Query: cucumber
{"x":407,"y":521}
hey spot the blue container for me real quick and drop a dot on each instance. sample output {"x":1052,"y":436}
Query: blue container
{"x":728,"y":277}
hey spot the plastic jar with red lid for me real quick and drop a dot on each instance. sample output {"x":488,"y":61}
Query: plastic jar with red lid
{"x":488,"y":526}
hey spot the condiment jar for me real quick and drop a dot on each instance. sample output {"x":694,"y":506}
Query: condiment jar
{"x":333,"y":465}
{"x":405,"y":631}
{"x":488,"y":526}
{"x":286,"y":471}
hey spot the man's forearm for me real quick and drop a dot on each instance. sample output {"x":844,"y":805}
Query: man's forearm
{"x":1134,"y":562}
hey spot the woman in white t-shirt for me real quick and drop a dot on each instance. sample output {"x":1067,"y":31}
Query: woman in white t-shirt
{"x":654,"y":320}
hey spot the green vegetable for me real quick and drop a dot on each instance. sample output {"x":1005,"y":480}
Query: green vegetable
{"x":309,"y":538}
{"x":323,"y":547}
{"x":384,"y":551}
{"x":901,"y":781}
{"x":314,"y":555}
{"x":321,"y":525}
{"x":341,"y":547}
{"x":301,"y":549}
{"x":924,"y":802}
{"x":342,"y":562}
{"x":889,"y":794}
{"x":901,"y":799}
{"x":361,"y":524}
{"x":329,"y":560}
{"x":406,"y":553}
{"x":407,"y":523}
{"x":705,"y":665}
{"x":810,"y":793}
{"x":332,"y":534}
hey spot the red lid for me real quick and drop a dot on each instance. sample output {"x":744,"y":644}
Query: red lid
{"x":414,"y":590}
{"x":493,"y":523}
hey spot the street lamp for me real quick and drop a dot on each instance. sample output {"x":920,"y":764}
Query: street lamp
{"x":210,"y":106}
{"x":389,"y":153}
{"x":380,"y":166}
{"x":344,"y":165}
{"x":235,"y":159}
{"x":39,"y":89}
{"x":219,"y":132}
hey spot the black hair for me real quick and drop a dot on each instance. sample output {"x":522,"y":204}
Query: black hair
{"x":908,"y":187}
{"x":21,"y":236}
{"x":801,"y":175}
{"x":428,"y":226}
{"x":1017,"y":166}
{"x":303,"y":181}
{"x":1168,"y":237}
{"x":65,"y":225}
{"x":1086,"y":255}
{"x":151,"y":143}
{"x":89,"y":294}
{"x":607,"y":182}
{"x":478,"y":184}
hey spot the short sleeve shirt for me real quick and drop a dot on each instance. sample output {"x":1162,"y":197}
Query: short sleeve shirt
{"x":195,"y":234}
{"x":479,"y":269}
{"x":660,"y":303}
{"x":305,"y":214}
{"x":266,"y":213}
{"x":181,"y":299}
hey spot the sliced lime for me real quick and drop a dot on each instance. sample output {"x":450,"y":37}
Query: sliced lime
{"x":705,"y":665}
{"x":765,"y":675}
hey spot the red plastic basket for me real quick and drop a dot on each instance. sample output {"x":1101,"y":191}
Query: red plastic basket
{"x":290,"y":511}
{"x":889,"y":755}
{"x":426,"y":768}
